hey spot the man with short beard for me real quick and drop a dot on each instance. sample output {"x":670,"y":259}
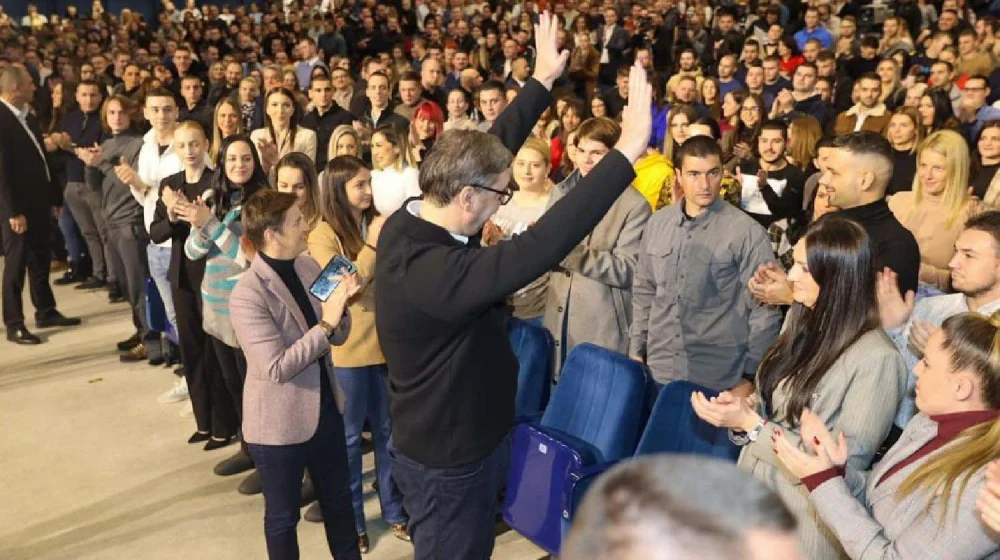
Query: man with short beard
{"x":868,"y":114}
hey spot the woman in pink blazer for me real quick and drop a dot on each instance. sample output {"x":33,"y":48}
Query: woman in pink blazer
{"x":291,"y":402}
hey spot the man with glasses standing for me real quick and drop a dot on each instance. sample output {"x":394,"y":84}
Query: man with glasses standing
{"x":973,"y":111}
{"x":440,"y":310}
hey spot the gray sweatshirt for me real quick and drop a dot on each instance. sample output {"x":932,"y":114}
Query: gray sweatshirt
{"x":119,"y":205}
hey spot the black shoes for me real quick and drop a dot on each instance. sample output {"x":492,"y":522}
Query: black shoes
{"x":240,"y":462}
{"x":71,"y":276}
{"x":251,"y":485}
{"x":56,"y":319}
{"x":314,"y":514}
{"x":115,"y":294}
{"x":198,"y":437}
{"x":130,"y":343}
{"x":21,"y":335}
{"x":363,"y":543}
{"x":214,"y":444}
{"x":92,"y":283}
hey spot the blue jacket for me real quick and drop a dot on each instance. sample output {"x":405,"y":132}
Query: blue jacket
{"x":820,"y":33}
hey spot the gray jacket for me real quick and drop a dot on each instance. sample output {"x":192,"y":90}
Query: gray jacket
{"x":119,"y":205}
{"x":589,"y":297}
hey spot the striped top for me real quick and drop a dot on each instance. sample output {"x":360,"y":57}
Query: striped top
{"x":218,"y":242}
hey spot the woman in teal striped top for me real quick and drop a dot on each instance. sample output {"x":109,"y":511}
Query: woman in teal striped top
{"x":216,"y":230}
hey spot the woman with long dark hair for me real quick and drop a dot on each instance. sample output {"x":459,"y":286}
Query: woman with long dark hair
{"x":986,"y":158}
{"x":936,"y":112}
{"x":791,"y":56}
{"x":296,"y":174}
{"x":282,"y":133}
{"x":832,"y":358}
{"x":215,"y":235}
{"x":226,"y":122}
{"x":740,"y":143}
{"x":919,"y":501}
{"x":349,"y":227}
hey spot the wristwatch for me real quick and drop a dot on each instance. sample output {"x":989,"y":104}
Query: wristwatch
{"x":742,"y":438}
{"x":330,"y":329}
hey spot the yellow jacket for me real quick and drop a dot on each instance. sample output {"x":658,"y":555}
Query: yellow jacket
{"x":654,"y":179}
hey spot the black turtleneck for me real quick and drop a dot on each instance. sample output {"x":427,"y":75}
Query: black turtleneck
{"x":904,"y":167}
{"x":286,"y":271}
{"x":982,"y":176}
{"x":894,"y":245}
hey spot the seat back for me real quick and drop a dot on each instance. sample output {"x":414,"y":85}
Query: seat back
{"x":599,"y":400}
{"x":673,"y":426}
{"x":533,"y":347}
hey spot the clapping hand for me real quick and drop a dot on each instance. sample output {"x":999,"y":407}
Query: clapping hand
{"x":492,"y":234}
{"x":637,"y":119}
{"x":549,"y":61}
{"x":196,"y":213}
{"x":893,"y":308}
{"x":920,"y":333}
{"x":268,"y":152}
{"x":770,"y":285}
{"x":725,"y":411}
{"x":989,"y":497}
{"x":90,"y":157}
{"x":129,"y":176}
{"x":827,"y":452}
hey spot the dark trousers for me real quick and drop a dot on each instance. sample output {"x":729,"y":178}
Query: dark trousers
{"x":28,"y":252}
{"x":213,"y":409}
{"x":86,"y":205}
{"x":126,"y":252}
{"x":281,"y":468}
{"x":452,"y":510}
{"x":233,"y":365}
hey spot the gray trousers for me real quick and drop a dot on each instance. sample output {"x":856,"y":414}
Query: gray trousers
{"x":126,"y":248}
{"x":85,"y":203}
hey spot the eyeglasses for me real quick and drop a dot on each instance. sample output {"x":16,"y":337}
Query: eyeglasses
{"x":750,"y":109}
{"x":505,"y":196}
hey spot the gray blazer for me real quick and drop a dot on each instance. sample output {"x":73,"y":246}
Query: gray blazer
{"x":281,"y":395}
{"x":589,"y":297}
{"x":859,"y":396}
{"x":872,"y":524}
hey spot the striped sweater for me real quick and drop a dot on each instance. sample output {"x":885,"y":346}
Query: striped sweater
{"x":218,"y":242}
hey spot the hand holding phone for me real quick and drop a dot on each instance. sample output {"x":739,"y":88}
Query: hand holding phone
{"x":330,"y":278}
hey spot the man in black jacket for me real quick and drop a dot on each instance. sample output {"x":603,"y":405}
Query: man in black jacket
{"x":440,"y":310}
{"x":324,"y":118}
{"x":27,"y":196}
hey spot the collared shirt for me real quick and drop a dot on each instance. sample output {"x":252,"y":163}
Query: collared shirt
{"x":22,"y":117}
{"x":933,"y":310}
{"x":692,"y":315}
{"x":414,"y":208}
{"x":152,"y":168}
{"x":859,"y":111}
{"x":609,"y":31}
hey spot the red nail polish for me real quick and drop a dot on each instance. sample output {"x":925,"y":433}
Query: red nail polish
{"x":816,"y":440}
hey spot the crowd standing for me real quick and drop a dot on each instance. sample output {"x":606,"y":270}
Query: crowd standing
{"x":793,"y":204}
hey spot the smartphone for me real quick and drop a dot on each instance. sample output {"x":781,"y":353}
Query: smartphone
{"x":327,"y":281}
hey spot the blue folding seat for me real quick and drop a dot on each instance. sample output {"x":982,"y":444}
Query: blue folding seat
{"x":673,"y":427}
{"x":593,"y":418}
{"x":533,"y":347}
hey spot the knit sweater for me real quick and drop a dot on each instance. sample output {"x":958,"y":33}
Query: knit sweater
{"x":119,"y":206}
{"x":218,"y":242}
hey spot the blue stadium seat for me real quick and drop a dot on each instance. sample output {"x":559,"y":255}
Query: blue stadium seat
{"x":533,"y":347}
{"x":673,"y":427}
{"x":594,"y":418}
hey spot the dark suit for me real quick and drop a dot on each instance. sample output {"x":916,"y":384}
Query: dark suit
{"x":26,"y":189}
{"x":212,"y":409}
{"x":616,"y":53}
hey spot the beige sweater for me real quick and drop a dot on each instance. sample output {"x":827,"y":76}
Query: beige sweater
{"x":928,"y":223}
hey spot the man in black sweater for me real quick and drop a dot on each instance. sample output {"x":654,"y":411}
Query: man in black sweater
{"x":440,"y":312}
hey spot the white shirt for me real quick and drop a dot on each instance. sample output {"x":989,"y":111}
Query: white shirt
{"x":608,"y":31}
{"x":752,"y":200}
{"x":152,"y":169}
{"x":414,"y":208}
{"x":391,"y":188}
{"x":22,"y":117}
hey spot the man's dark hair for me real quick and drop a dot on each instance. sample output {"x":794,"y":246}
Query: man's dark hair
{"x":985,"y":80}
{"x":869,"y":42}
{"x":91,"y":83}
{"x":824,"y":142}
{"x":161,"y":92}
{"x":826,"y":55}
{"x":379,"y":74}
{"x":492,"y":85}
{"x":870,"y":76}
{"x":872,"y":145}
{"x":409,"y":76}
{"x":265,"y":210}
{"x":712,"y":124}
{"x":987,"y":222}
{"x":778,"y":125}
{"x":697,"y":147}
{"x":623,"y":70}
{"x":752,"y":42}
{"x":806,"y":65}
{"x":948,"y":65}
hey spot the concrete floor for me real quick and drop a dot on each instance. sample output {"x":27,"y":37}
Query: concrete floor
{"x":92,"y":467}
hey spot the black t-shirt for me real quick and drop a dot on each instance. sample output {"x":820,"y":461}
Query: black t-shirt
{"x":982,"y":177}
{"x":787,"y":204}
{"x":904,"y":167}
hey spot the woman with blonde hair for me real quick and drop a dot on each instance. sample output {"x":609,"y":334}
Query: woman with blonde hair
{"x":804,"y":133}
{"x":936,"y":210}
{"x":905,"y":133}
{"x":344,"y":142}
{"x":395,"y":177}
{"x":227,"y":121}
{"x":919,"y":501}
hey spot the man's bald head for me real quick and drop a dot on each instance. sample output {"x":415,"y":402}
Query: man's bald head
{"x":16,"y":85}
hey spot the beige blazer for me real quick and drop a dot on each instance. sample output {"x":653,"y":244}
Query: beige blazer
{"x":281,"y":394}
{"x":859,"y":395}
{"x":872,"y":523}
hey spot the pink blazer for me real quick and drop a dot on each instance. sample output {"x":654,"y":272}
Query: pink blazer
{"x":281,"y":395}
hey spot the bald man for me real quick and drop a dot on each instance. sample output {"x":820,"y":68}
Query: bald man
{"x":28,"y":195}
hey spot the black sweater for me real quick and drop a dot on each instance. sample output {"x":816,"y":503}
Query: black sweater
{"x":440,"y":308}
{"x":184,"y":273}
{"x":894,"y":245}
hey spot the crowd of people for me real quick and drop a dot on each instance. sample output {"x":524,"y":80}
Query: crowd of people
{"x":787,"y":203}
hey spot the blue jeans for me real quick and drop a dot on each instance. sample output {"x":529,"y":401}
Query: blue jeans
{"x":281,"y":468}
{"x":452,"y":510}
{"x":74,"y":243}
{"x":159,"y":266}
{"x":367,"y":396}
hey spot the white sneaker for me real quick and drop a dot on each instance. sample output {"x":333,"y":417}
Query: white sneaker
{"x":178,"y":393}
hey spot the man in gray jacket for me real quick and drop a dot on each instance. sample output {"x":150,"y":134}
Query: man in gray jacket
{"x":589,"y":296}
{"x":693,"y":317}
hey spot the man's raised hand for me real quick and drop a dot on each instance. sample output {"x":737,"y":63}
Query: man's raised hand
{"x":549,"y":61}
{"x":637,"y":119}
